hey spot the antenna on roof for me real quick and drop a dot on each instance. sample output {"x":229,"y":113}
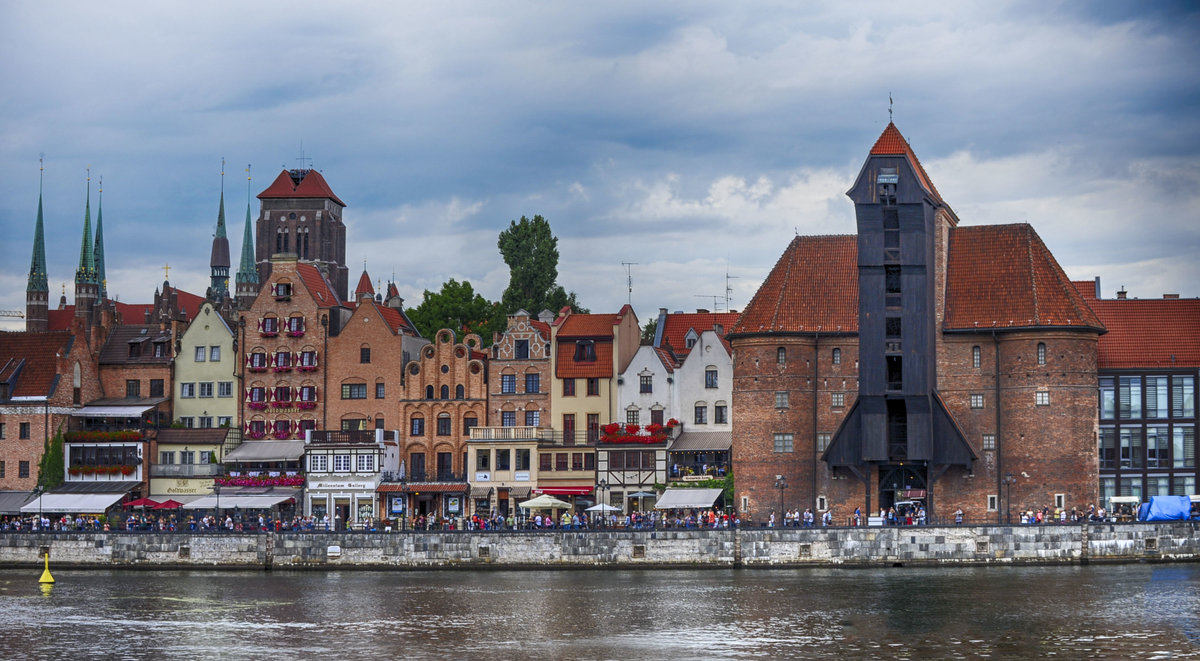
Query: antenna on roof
{"x":714,"y":297}
{"x":300,"y":161}
{"x":629,"y":278}
{"x":889,"y":107}
{"x":728,"y":288}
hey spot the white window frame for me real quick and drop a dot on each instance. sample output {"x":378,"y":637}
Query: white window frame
{"x":201,"y":353}
{"x":318,"y":463}
{"x":993,"y":502}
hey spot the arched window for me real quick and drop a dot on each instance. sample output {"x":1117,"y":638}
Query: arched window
{"x":445,"y":392}
{"x":428,"y":392}
{"x":459,"y":392}
{"x":837,"y":356}
{"x":976,"y":359}
{"x":1041,"y":349}
{"x":781,"y":355}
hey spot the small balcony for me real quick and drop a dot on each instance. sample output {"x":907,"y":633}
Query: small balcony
{"x":539,"y":434}
{"x":185,"y":470}
{"x":352,"y":437}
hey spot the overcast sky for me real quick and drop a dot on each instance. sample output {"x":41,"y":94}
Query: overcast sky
{"x":695,"y":139}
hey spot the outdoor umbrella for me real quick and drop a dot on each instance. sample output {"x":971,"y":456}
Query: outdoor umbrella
{"x":543,"y":502}
{"x":642,"y":494}
{"x":169,"y":504}
{"x":602,"y":508}
{"x":142,"y":503}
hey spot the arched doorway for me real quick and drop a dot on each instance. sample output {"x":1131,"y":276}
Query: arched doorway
{"x":895,"y":479}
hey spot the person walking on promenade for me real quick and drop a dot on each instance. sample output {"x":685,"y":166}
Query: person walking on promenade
{"x":958,"y":516}
{"x":771,"y":520}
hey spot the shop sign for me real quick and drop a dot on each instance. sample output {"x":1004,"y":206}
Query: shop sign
{"x":483,"y":477}
{"x":521,"y":476}
{"x":454,"y":504}
{"x":398,"y":504}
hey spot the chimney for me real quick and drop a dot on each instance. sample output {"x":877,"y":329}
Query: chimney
{"x":1170,"y":295}
{"x":1121,"y":293}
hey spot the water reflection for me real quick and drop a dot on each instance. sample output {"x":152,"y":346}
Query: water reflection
{"x":1070,"y":612}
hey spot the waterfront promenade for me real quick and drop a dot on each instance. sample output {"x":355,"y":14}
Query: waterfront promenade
{"x":682,"y":548}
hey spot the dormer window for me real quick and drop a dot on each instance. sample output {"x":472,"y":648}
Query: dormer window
{"x":690,"y":340}
{"x":585,"y":351}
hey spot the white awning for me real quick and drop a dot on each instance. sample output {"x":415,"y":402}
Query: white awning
{"x":135,"y":411}
{"x":240,"y":502}
{"x":266,"y":451}
{"x":687,"y":499}
{"x":72,"y":503}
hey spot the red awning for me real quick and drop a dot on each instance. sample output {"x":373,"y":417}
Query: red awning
{"x":914,"y":493}
{"x":565,"y":491}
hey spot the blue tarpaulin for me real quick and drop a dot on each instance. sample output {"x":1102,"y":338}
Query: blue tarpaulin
{"x":1168,"y":508}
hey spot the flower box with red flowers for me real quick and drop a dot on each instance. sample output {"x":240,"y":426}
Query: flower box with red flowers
{"x":268,"y":333}
{"x":281,"y":435}
{"x":283,"y":368}
{"x":127,"y":470}
{"x":306,"y":405}
{"x":306,"y":368}
{"x":256,"y":435}
{"x":257,"y":406}
{"x":259,"y":481}
{"x":611,"y":429}
{"x":672,"y":423}
{"x":295,"y":333}
{"x":281,"y":405}
{"x":254,"y":368}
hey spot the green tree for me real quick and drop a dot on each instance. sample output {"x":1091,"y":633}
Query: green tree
{"x":649,"y":330}
{"x":531,"y":251}
{"x":50,"y":469}
{"x":457,"y":307}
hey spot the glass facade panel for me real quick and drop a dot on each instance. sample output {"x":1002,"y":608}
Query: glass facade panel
{"x":1184,"y":450}
{"x":1108,"y":398}
{"x":1183,"y":397}
{"x":1156,"y":397}
{"x":1129,"y":397}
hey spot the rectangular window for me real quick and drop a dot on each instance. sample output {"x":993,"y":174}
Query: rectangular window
{"x":1158,"y":445}
{"x":568,"y":428}
{"x":201,"y":352}
{"x":502,"y":460}
{"x":1157,"y":397}
{"x":508,"y":418}
{"x":1131,"y":447}
{"x":593,"y":387}
{"x":3,"y":427}
{"x":354,"y":391}
{"x":823,"y":439}
{"x":533,"y":418}
{"x":1041,"y":398}
{"x":318,"y":463}
{"x":416,"y":427}
{"x":508,"y":383}
{"x":568,"y":387}
{"x":593,"y":427}
{"x":522,"y":459}
{"x":156,"y":387}
{"x":205,"y":421}
{"x":838,"y":399}
{"x":341,"y":463}
{"x":1129,"y":397}
{"x":379,"y":391}
{"x":989,"y":441}
{"x":533,"y":383}
{"x":976,"y":358}
{"x":188,"y":421}
{"x":206,"y":389}
{"x":976,"y":401}
{"x":443,"y":426}
{"x":781,"y":399}
{"x":187,"y":457}
{"x":1108,"y":398}
{"x":710,"y":378}
{"x":366,"y":463}
{"x":187,"y":390}
{"x":631,"y":416}
{"x":133,"y":388}
{"x":701,"y":416}
{"x":469,"y":423}
{"x":576,"y":461}
{"x":720,"y":414}
{"x":545,"y":462}
{"x":1183,"y":449}
{"x":521,"y":349}
{"x":585,"y":351}
{"x":364,"y":355}
{"x":993,"y":502}
{"x":1183,"y":397}
{"x":783,"y":443}
{"x":560,"y":461}
{"x":483,"y":460}
{"x":23,"y":469}
{"x":1180,"y":485}
{"x":646,"y":383}
{"x":214,"y":354}
{"x":23,"y":430}
{"x":223,"y":420}
{"x":225,"y":389}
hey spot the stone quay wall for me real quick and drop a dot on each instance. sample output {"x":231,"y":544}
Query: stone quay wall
{"x":751,"y":548}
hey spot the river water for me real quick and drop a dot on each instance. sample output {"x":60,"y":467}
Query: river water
{"x":1109,"y":611}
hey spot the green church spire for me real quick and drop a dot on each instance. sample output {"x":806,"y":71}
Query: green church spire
{"x":37,"y":265}
{"x":247,"y":270}
{"x":219,"y":263}
{"x":86,"y":273}
{"x":98,"y":250}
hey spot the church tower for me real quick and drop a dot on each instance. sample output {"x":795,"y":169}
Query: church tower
{"x":87,"y":287}
{"x":37,"y":292}
{"x":218,"y":263}
{"x":247,"y":273}
{"x":98,"y":249}
{"x":301,"y":215}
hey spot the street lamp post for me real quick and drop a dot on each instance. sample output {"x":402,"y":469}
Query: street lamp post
{"x":781,"y":484}
{"x":217,"y":490}
{"x":1008,"y":482}
{"x":603,"y":487}
{"x":39,"y":490}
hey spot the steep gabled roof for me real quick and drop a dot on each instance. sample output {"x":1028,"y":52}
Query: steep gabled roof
{"x":397,"y":320}
{"x":1003,"y":276}
{"x":676,"y":327}
{"x":566,"y":367}
{"x":304,"y":184}
{"x":322,"y":292}
{"x":29,"y":361}
{"x":892,"y":143}
{"x":364,"y":286}
{"x":813,"y":287}
{"x":116,"y":347}
{"x":1146,"y":333}
{"x":589,"y":325}
{"x":666,"y":358}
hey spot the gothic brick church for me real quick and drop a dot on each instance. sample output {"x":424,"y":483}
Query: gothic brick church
{"x":916,"y":360}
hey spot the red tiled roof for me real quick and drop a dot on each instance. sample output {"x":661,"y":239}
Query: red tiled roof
{"x":396,"y":320}
{"x":317,"y":285}
{"x":60,"y":320}
{"x":667,"y":358}
{"x":567,"y":368}
{"x":676,"y":327}
{"x":813,"y":286}
{"x":32,"y":359}
{"x":1003,"y":276}
{"x":589,"y":325}
{"x":891,"y":143}
{"x":364,"y":286}
{"x":542,"y":327}
{"x":1146,"y":333}
{"x":313,"y":185}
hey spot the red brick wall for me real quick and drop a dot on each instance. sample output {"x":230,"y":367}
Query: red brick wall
{"x":461,"y":368}
{"x":366,"y":328}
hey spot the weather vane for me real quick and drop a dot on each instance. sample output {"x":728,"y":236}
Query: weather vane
{"x":889,"y":107}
